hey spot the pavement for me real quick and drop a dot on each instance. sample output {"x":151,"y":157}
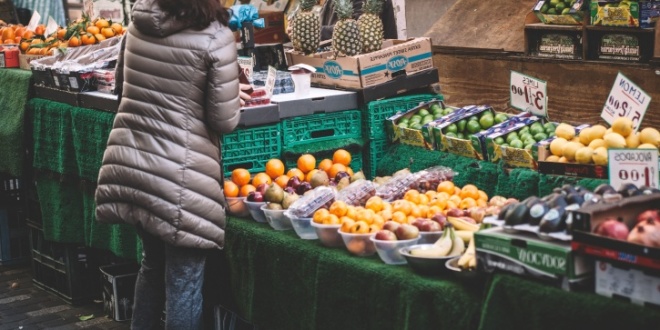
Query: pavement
{"x":24,"y":306}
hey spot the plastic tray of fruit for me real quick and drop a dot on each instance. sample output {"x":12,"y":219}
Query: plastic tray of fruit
{"x":396,"y":187}
{"x":429,"y":178}
{"x":313,"y":200}
{"x":357,"y":193}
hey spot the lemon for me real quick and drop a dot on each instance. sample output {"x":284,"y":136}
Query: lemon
{"x":597,"y":143}
{"x":598,"y":131}
{"x":623,"y":126}
{"x":556,"y":145}
{"x":599,"y":156}
{"x":585,"y":136}
{"x":570,"y":149}
{"x":614,"y":140}
{"x":607,"y":131}
{"x":650,"y":135}
{"x":583,"y":155}
{"x":565,"y":131}
{"x":562,"y":159}
{"x":647,"y":146}
{"x":575,"y":139}
{"x":632,"y":141}
{"x":552,"y":158}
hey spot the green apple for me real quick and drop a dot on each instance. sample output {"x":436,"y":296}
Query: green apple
{"x":516,"y":144}
{"x":500,"y":117}
{"x":498,"y":140}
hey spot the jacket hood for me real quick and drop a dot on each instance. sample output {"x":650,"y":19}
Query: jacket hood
{"x":151,"y":20}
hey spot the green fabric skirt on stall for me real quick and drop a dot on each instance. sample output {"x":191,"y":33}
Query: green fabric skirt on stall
{"x":13,"y":97}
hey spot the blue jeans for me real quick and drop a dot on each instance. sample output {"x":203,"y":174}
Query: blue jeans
{"x":170,"y":276}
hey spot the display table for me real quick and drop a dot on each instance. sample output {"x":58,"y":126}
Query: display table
{"x":14,"y":91}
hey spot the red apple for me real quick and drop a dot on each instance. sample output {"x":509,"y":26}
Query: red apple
{"x":406,"y":231}
{"x":385,"y":235}
{"x":262,"y":188}
{"x":294,"y":182}
{"x":440,"y":219}
{"x":454,"y":212}
{"x":391,"y":225}
{"x":255,"y":196}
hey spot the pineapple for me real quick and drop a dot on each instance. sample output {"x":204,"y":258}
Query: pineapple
{"x":346,"y":34}
{"x":371,"y":26}
{"x":306,"y":28}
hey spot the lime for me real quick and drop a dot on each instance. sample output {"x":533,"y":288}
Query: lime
{"x":438,"y":115}
{"x":428,"y":117}
{"x":566,"y":11}
{"x":544,"y":8}
{"x":404,"y":120}
{"x":423,"y":112}
{"x":540,"y":136}
{"x":530,"y":141}
{"x":560,"y":7}
{"x":451,"y":134}
{"x":460,"y":135}
{"x":500,"y":117}
{"x":525,"y":136}
{"x":529,"y":146}
{"x":486,"y":122}
{"x":512,"y":136}
{"x":416,"y":126}
{"x":498,"y":140}
{"x":516,"y":144}
{"x":552,"y":11}
{"x":504,"y":145}
{"x":554,"y":3}
{"x":416,"y":119}
{"x":461,"y":125}
{"x":473,"y":126}
{"x":435,"y":107}
{"x":403,"y":125}
{"x":536,"y":124}
{"x":549,"y":127}
{"x":551,"y":134}
{"x":451,"y":129}
{"x":485,"y":114}
{"x":523,"y":130}
{"x":536,"y":130}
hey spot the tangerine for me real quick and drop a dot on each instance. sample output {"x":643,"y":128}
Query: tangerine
{"x":282,"y":180}
{"x":261,"y":178}
{"x":118,"y":28}
{"x":73,"y":42}
{"x":446,"y":186}
{"x":274,"y":168}
{"x":108,"y":32}
{"x":101,"y":23}
{"x":306,"y":163}
{"x":240,"y":176}
{"x":341,"y":156}
{"x":336,"y":168}
{"x":349,"y":171}
{"x":230,"y":189}
{"x":93,"y":29}
{"x":88,"y":39}
{"x":40,"y":30}
{"x":246,"y":189}
{"x":469,"y":193}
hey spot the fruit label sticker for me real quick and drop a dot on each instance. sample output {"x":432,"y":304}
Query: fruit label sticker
{"x":529,"y":94}
{"x":626,"y":99}
{"x":636,"y":166}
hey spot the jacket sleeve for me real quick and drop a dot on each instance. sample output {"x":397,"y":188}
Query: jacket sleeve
{"x":119,"y":69}
{"x":222,"y":101}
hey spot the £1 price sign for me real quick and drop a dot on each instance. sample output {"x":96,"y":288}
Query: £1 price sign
{"x":626,"y":100}
{"x":636,"y":166}
{"x":529,"y":94}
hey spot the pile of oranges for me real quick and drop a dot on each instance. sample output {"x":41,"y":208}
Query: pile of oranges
{"x":241,"y":182}
{"x":80,"y":33}
{"x":413,"y":205}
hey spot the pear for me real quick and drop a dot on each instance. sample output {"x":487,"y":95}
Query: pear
{"x":274,"y":193}
{"x":320,"y":178}
{"x":289,"y":199}
{"x":358,"y":176}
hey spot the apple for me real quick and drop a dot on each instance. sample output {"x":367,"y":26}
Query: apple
{"x":391,"y":225}
{"x":255,"y":196}
{"x":262,"y":188}
{"x":385,"y":235}
{"x":431,"y":225}
{"x":612,"y":228}
{"x":419,"y":223}
{"x":454,"y":212}
{"x":406,"y":231}
{"x":360,"y":227}
{"x":294,"y":182}
{"x":440,"y":219}
{"x":468,"y":219}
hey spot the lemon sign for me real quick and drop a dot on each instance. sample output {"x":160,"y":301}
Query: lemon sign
{"x":529,"y":94}
{"x":626,"y":99}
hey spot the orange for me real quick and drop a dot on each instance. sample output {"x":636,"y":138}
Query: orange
{"x":430,"y":194}
{"x":423,"y":199}
{"x":332,"y":220}
{"x":230,"y":188}
{"x":349,"y":171}
{"x":447,"y":187}
{"x":467,"y":203}
{"x":60,"y":34}
{"x":40,"y":30}
{"x":411,"y":195}
{"x":108,"y":32}
{"x":99,"y":37}
{"x":101,"y":23}
{"x":88,"y":39}
{"x":246,"y":189}
{"x":483,"y":196}
{"x":310,"y":174}
{"x":274,"y":168}
{"x":296,"y":172}
{"x":415,"y":211}
{"x":261,"y":178}
{"x":365,"y":215}
{"x":306,"y":163}
{"x":339,"y":208}
{"x":341,"y":156}
{"x":336,"y":168}
{"x":457,"y":190}
{"x":351,"y":212}
{"x":454,"y":199}
{"x":73,"y":42}
{"x":320,"y":215}
{"x":433,"y":210}
{"x":469,"y":192}
{"x":24,"y":46}
{"x":403,"y":206}
{"x":240,"y":176}
{"x":482,"y":203}
{"x":399,"y":217}
{"x":325,"y":165}
{"x":118,"y":28}
{"x":410,"y":219}
{"x":8,"y":33}
{"x":93,"y":29}
{"x":29,"y":34}
{"x":282,"y":180}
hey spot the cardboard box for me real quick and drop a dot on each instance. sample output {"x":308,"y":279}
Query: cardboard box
{"x":416,"y":137}
{"x":617,"y":281}
{"x":513,"y":157}
{"x":455,"y":145}
{"x":574,"y":17}
{"x":613,"y":13}
{"x":396,"y":58}
{"x":319,"y":100}
{"x":9,"y":57}
{"x":527,"y":255}
{"x":628,"y":47}
{"x":421,"y":82}
{"x":649,"y":12}
{"x":118,"y":290}
{"x":478,"y":140}
{"x":558,"y":44}
{"x":626,"y":210}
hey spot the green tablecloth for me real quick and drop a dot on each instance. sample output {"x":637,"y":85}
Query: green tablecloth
{"x":283,"y":282}
{"x":14,"y":90}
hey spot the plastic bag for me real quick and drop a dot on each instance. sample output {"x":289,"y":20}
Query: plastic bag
{"x":245,"y":13}
{"x":429,"y":178}
{"x":357,"y":193}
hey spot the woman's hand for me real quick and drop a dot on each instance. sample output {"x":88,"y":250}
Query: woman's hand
{"x":243,"y":95}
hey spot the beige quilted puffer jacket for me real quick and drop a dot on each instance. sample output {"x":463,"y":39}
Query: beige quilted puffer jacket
{"x":161,"y":169}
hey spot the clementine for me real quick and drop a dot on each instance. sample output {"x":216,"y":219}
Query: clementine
{"x":246,"y":189}
{"x":240,"y":176}
{"x":261,"y":178}
{"x":296,"y":172}
{"x":336,"y":168}
{"x":325,"y":165}
{"x":230,"y":189}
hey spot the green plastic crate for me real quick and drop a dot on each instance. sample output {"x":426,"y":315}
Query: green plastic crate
{"x":356,"y":159}
{"x":321,"y":127}
{"x":250,"y":148}
{"x":372,"y":155}
{"x":378,"y":111}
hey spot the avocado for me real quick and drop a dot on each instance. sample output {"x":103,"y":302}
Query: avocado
{"x":552,"y":220}
{"x":517,"y":215}
{"x":537,"y":211}
{"x":568,"y":189}
{"x":604,"y":188}
{"x":628,"y":190}
{"x":551,"y":196}
{"x":558,"y":200}
{"x":575,"y":198}
{"x":595,"y":199}
{"x":529,"y":201}
{"x":504,"y":211}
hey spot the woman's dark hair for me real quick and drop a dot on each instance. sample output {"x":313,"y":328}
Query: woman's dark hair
{"x":198,"y":14}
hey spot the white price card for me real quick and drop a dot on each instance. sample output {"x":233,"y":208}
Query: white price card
{"x":529,"y":94}
{"x":626,"y":99}
{"x":636,"y":166}
{"x":270,"y":80}
{"x":247,"y":65}
{"x":34,"y":21}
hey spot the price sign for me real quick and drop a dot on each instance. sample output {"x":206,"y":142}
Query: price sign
{"x":626,"y":100}
{"x":270,"y":79}
{"x":529,"y":94}
{"x":636,"y":166}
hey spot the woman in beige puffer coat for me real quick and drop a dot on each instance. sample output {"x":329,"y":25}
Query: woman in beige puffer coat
{"x":161,"y":170}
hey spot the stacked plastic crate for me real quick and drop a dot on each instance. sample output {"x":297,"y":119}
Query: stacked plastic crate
{"x":13,"y":229}
{"x":375,"y":116}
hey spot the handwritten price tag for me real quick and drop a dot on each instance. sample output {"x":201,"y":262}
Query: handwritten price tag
{"x":636,"y":166}
{"x":626,"y":99}
{"x":529,"y":94}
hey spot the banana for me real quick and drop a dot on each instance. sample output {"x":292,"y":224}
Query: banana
{"x":473,"y":263}
{"x":465,"y":235}
{"x":461,"y":224}
{"x":468,"y":257}
{"x":445,"y":243}
{"x":427,"y":253}
{"x":458,"y":247}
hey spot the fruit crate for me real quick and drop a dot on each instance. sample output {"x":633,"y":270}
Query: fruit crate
{"x":372,"y":156}
{"x":14,"y":246}
{"x":61,"y":269}
{"x":321,"y":127}
{"x":356,"y":159}
{"x":250,"y":148}
{"x":377,"y":112}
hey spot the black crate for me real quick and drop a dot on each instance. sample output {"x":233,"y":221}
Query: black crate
{"x":14,"y":247}
{"x":61,"y":269}
{"x":119,"y":289}
{"x":226,"y":319}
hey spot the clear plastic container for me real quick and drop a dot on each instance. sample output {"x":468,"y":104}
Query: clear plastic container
{"x":357,"y":193}
{"x":259,"y":97}
{"x":302,"y":226}
{"x":428,"y":179}
{"x":429,"y":237}
{"x":360,"y":245}
{"x":328,"y":234}
{"x":276,"y":218}
{"x":313,"y":200}
{"x":237,"y":206}
{"x":388,"y":251}
{"x":396,"y":187}
{"x":255,"y":211}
